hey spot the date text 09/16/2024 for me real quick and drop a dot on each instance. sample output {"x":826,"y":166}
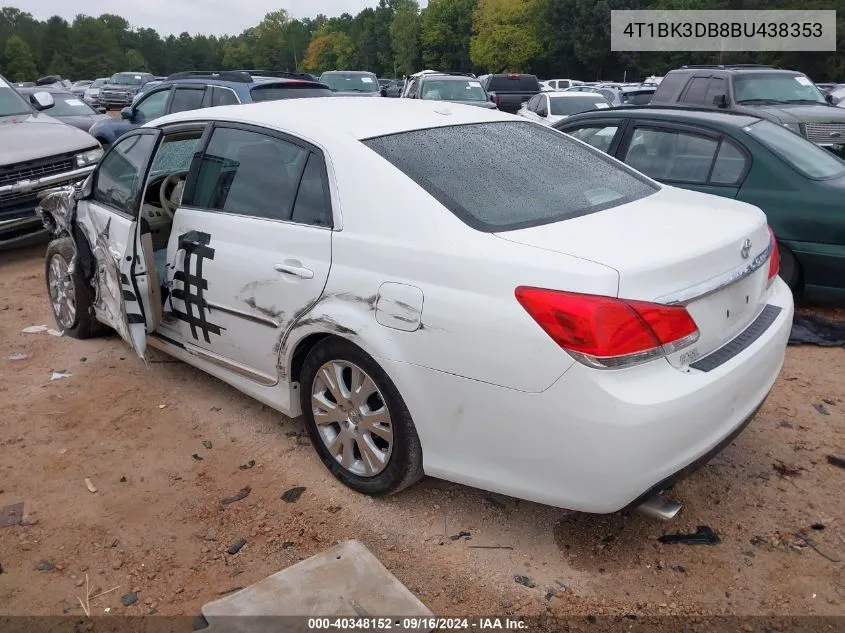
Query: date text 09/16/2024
{"x":416,"y":623}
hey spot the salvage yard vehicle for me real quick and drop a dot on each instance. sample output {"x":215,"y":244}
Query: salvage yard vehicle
{"x":69,"y":108}
{"x":122,"y":88}
{"x":548,"y":324}
{"x":37,"y":152}
{"x":799,"y":186}
{"x":510,"y":90}
{"x":548,"y":109}
{"x":453,"y":87}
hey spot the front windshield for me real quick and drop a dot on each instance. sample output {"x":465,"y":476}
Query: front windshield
{"x":804,"y":156}
{"x":69,"y":105}
{"x":776,"y":88}
{"x":453,"y":90}
{"x":98,"y":83}
{"x":565,"y":106}
{"x":11,"y":103}
{"x":350,"y":82}
{"x":127,"y":79}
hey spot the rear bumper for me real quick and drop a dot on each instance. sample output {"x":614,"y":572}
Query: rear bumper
{"x":595,"y":441}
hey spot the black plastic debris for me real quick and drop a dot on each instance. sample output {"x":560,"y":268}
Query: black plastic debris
{"x":127,"y":600}
{"x":248,"y":465}
{"x":237,"y":546}
{"x":525,"y":581}
{"x":197,"y":457}
{"x":821,"y":409}
{"x":460,"y":535}
{"x":207,"y":444}
{"x":811,"y":329}
{"x":293,"y":495}
{"x":45,"y":565}
{"x":123,"y":479}
{"x":817,"y":526}
{"x":243,"y":493}
{"x":704,"y":535}
{"x":836,"y":460}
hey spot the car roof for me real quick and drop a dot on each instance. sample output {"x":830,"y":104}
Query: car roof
{"x":348,"y":72}
{"x":678,"y":114}
{"x":327,"y":119}
{"x":574,"y":93}
{"x":449,"y":77}
{"x":739,"y":69}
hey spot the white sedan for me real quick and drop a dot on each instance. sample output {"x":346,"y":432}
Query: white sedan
{"x":549,"y":108}
{"x":514,"y":310}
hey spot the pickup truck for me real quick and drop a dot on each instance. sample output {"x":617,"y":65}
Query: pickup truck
{"x":511,"y":90}
{"x":37,"y":152}
{"x":122,"y":88}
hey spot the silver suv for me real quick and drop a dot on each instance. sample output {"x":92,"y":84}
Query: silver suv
{"x":37,"y":152}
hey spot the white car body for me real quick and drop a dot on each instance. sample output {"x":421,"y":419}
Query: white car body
{"x":562,"y":84}
{"x":496,"y":403}
{"x":541,"y":108}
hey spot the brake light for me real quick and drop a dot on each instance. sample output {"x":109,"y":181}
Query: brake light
{"x":496,"y":97}
{"x":607,"y":332}
{"x":774,"y":260}
{"x":513,"y":75}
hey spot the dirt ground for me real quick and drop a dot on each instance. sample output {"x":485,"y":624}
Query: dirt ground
{"x":156,"y":524}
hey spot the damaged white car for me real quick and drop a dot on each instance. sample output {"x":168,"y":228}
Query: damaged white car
{"x":437,"y":288}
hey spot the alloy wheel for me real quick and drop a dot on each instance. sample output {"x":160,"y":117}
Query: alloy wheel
{"x":62,"y":292}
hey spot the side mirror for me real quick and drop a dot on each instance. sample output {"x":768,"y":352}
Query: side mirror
{"x":127,"y":113}
{"x":384,"y":92}
{"x":829,"y":98}
{"x":493,"y":98}
{"x":720,"y":101}
{"x":42,"y":101}
{"x":102,"y":110}
{"x":543,"y":112}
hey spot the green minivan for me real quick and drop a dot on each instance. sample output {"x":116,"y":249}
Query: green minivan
{"x":799,"y":186}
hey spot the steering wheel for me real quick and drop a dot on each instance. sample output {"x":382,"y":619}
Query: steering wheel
{"x":168,"y":186}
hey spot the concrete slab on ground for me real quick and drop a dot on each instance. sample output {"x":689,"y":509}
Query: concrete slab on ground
{"x":344,"y":581}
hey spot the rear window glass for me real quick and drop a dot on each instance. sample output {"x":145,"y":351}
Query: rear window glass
{"x":803,"y":155}
{"x":292,"y":90}
{"x":564,"y":106}
{"x":473,"y":171}
{"x":520,"y":83}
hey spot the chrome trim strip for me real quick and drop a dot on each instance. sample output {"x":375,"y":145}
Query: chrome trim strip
{"x":719,"y":282}
{"x":244,"y":315}
{"x":235,"y":368}
{"x":25,"y":186}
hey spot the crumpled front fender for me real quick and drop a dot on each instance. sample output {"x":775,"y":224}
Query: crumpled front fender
{"x":57,"y":209}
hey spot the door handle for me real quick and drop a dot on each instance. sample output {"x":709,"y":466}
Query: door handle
{"x":296,"y":271}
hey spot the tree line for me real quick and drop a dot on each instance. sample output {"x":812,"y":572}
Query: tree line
{"x":550,"y":38}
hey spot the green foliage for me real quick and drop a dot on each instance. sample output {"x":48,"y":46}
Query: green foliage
{"x":18,"y":61}
{"x":504,"y":35}
{"x":551,"y":38}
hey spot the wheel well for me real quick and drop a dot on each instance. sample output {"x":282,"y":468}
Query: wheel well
{"x":301,"y":353}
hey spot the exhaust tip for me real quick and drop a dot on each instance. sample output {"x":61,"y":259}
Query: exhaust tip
{"x":660,"y":507}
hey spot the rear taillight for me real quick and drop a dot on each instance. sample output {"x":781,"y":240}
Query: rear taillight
{"x":774,"y":260}
{"x":607,"y":332}
{"x":513,"y":75}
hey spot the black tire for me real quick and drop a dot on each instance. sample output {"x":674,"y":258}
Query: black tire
{"x":790,"y":270}
{"x":85,"y":324}
{"x":404,"y":465}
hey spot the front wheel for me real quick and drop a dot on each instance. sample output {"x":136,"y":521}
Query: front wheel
{"x":357,"y":420}
{"x":71,"y":297}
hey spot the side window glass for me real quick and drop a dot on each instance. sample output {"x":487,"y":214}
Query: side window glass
{"x":175,"y":153}
{"x":247,"y":173}
{"x":598,"y":137}
{"x":223,"y":96}
{"x":186,"y":99}
{"x":696,"y":90}
{"x":532,"y":103}
{"x":311,"y":205}
{"x":730,"y":165}
{"x":717,"y":87}
{"x":119,"y":176}
{"x":152,"y":107}
{"x":669,"y":155}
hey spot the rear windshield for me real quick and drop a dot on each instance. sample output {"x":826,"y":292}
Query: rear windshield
{"x":803,"y":155}
{"x":637,"y":98}
{"x":350,"y":82}
{"x":474,"y":172}
{"x":564,"y":106}
{"x":291,"y":90}
{"x":517,"y":83}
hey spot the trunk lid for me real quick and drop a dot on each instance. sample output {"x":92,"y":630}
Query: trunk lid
{"x":675,"y":246}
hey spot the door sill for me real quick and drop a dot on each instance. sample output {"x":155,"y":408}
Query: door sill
{"x":232,"y":366}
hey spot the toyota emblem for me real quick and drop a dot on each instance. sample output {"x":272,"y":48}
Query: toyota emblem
{"x":746,"y":249}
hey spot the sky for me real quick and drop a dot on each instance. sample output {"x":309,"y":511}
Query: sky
{"x":207,"y":17}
